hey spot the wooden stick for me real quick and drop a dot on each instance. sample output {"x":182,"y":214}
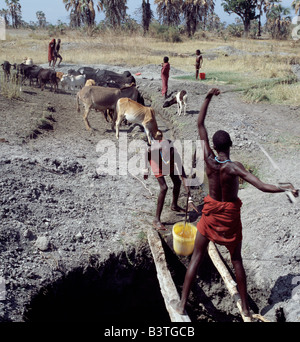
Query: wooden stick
{"x":167,"y":286}
{"x":229,"y":282}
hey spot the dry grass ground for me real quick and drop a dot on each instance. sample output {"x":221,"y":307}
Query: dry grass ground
{"x":262,"y":71}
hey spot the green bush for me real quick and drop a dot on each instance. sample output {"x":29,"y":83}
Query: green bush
{"x":235,"y":30}
{"x":165,"y":33}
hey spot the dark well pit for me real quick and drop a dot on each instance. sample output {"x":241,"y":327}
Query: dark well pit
{"x":122,"y":289}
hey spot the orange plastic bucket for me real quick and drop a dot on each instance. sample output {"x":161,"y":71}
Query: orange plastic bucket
{"x":202,"y":75}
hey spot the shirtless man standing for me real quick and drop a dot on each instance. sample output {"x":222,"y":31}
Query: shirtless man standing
{"x":199,"y":61}
{"x":165,"y":160}
{"x":56,"y":53}
{"x":220,"y":221}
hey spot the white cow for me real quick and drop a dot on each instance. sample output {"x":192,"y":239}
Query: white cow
{"x":72,"y":81}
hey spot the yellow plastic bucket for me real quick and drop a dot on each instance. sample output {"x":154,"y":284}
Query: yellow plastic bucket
{"x":184,"y":238}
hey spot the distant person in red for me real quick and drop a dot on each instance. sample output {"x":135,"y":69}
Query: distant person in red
{"x":165,"y":71}
{"x":51,"y":50}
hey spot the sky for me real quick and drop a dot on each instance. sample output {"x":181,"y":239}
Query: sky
{"x":55,"y":10}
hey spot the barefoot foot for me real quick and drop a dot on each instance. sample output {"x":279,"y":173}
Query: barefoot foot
{"x":158,"y":225}
{"x":176,"y":306}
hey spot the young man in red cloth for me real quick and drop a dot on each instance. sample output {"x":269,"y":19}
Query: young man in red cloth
{"x":51,"y":49}
{"x":165,"y":71}
{"x":220,"y":221}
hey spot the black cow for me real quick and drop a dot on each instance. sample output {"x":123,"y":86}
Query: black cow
{"x":73,"y":72}
{"x":6,"y":66}
{"x":29,"y":72}
{"x":33,"y":73}
{"x":22,"y":71}
{"x":90,"y":73}
{"x":47,"y":76}
{"x":113,"y":79}
{"x":106,"y":78}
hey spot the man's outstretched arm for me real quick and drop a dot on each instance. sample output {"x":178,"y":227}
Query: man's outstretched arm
{"x":240,"y":171}
{"x":201,"y":118}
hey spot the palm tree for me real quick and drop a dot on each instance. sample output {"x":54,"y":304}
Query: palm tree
{"x":88,"y":12}
{"x":115,"y":11}
{"x":14,"y":8}
{"x":264,"y":6}
{"x":147,"y":15}
{"x":169,"y":11}
{"x":82,"y":11}
{"x":75,"y":15}
{"x":193,"y":11}
{"x":278,"y":20}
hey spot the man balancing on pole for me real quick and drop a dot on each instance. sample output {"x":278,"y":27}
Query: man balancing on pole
{"x":220,"y":221}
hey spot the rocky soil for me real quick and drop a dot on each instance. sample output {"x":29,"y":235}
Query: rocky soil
{"x":62,"y":216}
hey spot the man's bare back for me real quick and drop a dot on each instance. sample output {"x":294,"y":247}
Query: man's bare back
{"x":223,"y":183}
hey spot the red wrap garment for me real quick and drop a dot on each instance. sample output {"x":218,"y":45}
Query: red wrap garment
{"x":51,"y":49}
{"x":165,"y":71}
{"x":221,"y":222}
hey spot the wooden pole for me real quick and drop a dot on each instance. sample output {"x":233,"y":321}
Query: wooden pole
{"x":229,"y":282}
{"x":167,"y":286}
{"x":226,"y":276}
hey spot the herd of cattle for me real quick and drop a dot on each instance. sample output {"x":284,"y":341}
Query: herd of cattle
{"x":74,"y":78}
{"x":114,"y":94}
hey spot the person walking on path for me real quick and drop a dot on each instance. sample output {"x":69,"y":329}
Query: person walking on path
{"x":51,"y":50}
{"x":57,"y":54}
{"x":165,"y":72}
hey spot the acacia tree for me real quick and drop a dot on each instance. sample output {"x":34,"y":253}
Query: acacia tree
{"x":40,"y":15}
{"x":14,"y":8}
{"x":115,"y":11}
{"x":245,"y":9}
{"x":169,"y":11}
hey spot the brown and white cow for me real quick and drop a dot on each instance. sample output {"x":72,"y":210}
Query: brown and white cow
{"x":136,"y":113}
